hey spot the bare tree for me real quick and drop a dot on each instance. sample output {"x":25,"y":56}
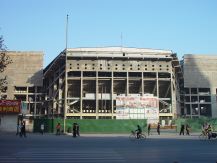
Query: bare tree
{"x":4,"y":61}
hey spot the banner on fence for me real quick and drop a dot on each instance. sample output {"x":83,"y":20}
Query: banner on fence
{"x":137,"y":107}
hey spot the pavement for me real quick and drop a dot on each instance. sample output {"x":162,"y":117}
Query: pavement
{"x":169,"y":147}
{"x":164,"y":135}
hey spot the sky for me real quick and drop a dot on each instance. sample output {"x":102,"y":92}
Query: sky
{"x":183,"y":26}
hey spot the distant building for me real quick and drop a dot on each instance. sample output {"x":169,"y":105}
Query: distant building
{"x":25,"y":83}
{"x":96,"y":78}
{"x":200,"y":85}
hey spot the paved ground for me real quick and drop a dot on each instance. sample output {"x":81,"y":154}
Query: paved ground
{"x":166,"y":148}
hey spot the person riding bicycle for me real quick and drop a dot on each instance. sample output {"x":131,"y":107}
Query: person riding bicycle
{"x":209,"y":131}
{"x":138,"y":131}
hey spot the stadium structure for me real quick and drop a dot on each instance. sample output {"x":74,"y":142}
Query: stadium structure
{"x":113,"y":83}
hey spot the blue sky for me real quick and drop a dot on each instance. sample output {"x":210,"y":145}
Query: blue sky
{"x":183,"y":26}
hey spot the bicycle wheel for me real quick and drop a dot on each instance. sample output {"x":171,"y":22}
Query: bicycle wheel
{"x":203,"y":137}
{"x":132,"y":137}
{"x":143,"y":136}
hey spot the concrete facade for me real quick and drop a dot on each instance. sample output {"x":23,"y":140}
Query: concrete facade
{"x":96,"y":76}
{"x":200,"y":76}
{"x":86,"y":83}
{"x":25,"y":83}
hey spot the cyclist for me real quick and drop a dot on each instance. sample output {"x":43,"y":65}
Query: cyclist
{"x":203,"y":128}
{"x":138,"y":131}
{"x":209,"y":131}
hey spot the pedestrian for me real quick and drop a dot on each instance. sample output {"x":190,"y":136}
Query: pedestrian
{"x":18,"y":128}
{"x":182,"y":129}
{"x":77,"y":129}
{"x":58,"y":127}
{"x":187,"y":128}
{"x":158,"y":128}
{"x":204,"y":128}
{"x":209,"y":131}
{"x":138,"y":131}
{"x":74,"y":130}
{"x":23,"y":129}
{"x":149,"y":128}
{"x":42,"y":128}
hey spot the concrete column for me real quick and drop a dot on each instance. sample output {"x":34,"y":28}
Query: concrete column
{"x":142,"y":84}
{"x":112,"y":95}
{"x":157,"y":82}
{"x":127,"y":87}
{"x":81,"y":96}
{"x":173,"y":96}
{"x":213,"y":101}
{"x":60,"y":95}
{"x":35,"y":106}
{"x":97,"y":90}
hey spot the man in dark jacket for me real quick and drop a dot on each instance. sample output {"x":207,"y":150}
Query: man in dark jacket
{"x":182,"y":129}
{"x":138,"y":131}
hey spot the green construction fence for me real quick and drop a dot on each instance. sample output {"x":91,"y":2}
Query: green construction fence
{"x":196,"y":123}
{"x":119,"y":126}
{"x":92,"y":125}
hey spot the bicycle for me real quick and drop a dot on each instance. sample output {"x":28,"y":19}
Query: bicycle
{"x":133,"y":136}
{"x":204,"y":136}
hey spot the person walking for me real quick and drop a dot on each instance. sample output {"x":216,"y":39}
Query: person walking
{"x":187,"y":128}
{"x":182,"y":129}
{"x":18,"y":128}
{"x":42,"y":128}
{"x":23,"y":129}
{"x":77,"y":129}
{"x":149,"y":129}
{"x":58,"y":127}
{"x":74,"y":131}
{"x":158,"y":128}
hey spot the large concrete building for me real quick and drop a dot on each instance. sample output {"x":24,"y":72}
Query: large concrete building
{"x":25,"y":83}
{"x":111,"y":83}
{"x":200,"y":85}
{"x":96,"y":77}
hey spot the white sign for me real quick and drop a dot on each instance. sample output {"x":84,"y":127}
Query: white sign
{"x":137,"y":107}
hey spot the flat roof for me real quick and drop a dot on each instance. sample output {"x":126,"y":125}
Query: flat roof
{"x":120,"y":49}
{"x":200,"y":56}
{"x":118,"y":52}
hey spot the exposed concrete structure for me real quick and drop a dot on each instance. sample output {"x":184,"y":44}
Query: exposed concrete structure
{"x":96,"y":76}
{"x":200,"y":84}
{"x":25,"y":83}
{"x":25,"y":79}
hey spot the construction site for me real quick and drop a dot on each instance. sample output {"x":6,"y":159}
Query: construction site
{"x":113,"y":83}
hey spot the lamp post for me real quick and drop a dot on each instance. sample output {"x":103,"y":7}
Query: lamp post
{"x":66,"y":80}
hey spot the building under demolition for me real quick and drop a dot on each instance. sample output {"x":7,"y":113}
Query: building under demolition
{"x":113,"y":83}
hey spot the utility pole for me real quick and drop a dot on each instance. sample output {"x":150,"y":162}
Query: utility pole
{"x":66,"y":79}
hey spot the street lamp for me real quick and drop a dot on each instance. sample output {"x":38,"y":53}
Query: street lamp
{"x":66,"y":79}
